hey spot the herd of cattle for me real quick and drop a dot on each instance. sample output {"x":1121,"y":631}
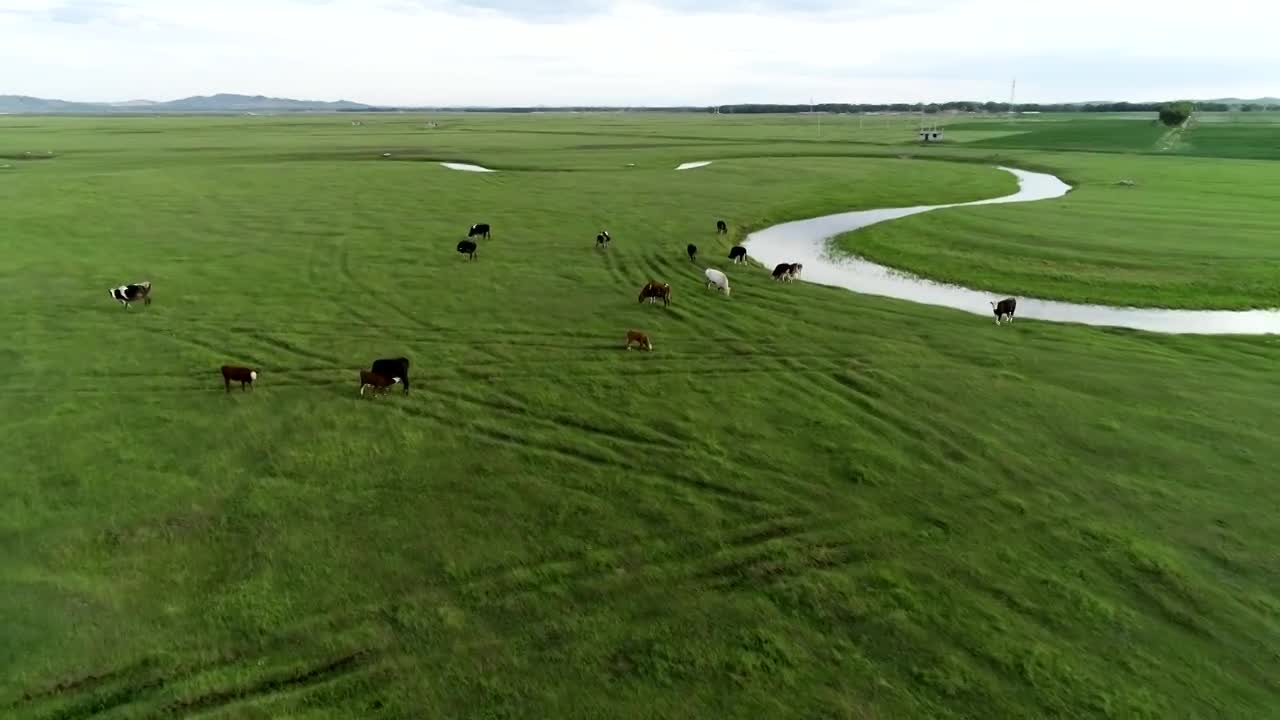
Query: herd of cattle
{"x":387,"y":372}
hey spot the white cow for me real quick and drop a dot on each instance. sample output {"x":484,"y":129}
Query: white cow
{"x":717,"y":279}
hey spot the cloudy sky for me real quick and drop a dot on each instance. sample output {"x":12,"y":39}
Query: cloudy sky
{"x":639,"y":52}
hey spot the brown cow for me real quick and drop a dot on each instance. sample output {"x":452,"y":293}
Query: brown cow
{"x":379,"y":383}
{"x":654,"y":290}
{"x":638,"y":338}
{"x":243,"y":375}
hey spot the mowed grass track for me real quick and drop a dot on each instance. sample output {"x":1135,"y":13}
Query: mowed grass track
{"x":805,"y":503}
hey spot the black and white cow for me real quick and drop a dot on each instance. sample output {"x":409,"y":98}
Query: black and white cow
{"x":481,"y":229}
{"x":393,"y":368}
{"x":468,"y":248}
{"x":1004,"y":309}
{"x":693,"y":251}
{"x":129,"y":294}
{"x":603,"y":239}
{"x":738,"y":254}
{"x":721,"y":227}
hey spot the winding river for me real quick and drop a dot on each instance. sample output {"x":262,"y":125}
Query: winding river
{"x":808,"y":242}
{"x":466,"y":167}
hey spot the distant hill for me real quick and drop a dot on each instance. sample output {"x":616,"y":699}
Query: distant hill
{"x":25,"y":104}
{"x":1244,"y":101}
{"x":225,"y":103}
{"x":221,"y":103}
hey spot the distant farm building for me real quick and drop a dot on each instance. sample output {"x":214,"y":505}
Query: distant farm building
{"x":934,"y":135}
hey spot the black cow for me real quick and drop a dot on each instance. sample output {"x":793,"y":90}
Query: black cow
{"x":393,"y":368}
{"x":721,"y":227}
{"x":738,"y":254}
{"x":693,"y":251}
{"x":468,"y":248}
{"x":481,"y":229}
{"x":603,"y":239}
{"x":129,"y":294}
{"x":1004,"y":309}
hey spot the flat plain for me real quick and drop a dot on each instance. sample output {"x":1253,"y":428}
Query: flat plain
{"x":805,"y":503}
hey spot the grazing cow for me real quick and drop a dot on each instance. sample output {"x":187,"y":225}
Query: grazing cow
{"x":693,"y":251}
{"x":738,"y":254}
{"x":635,"y":337}
{"x":129,"y":294}
{"x":721,"y":227}
{"x":1004,"y":309}
{"x":482,"y":229}
{"x":393,"y":367}
{"x":782,"y":271}
{"x":717,"y":279}
{"x":603,"y":239}
{"x":654,"y":290}
{"x":243,"y":375}
{"x":379,"y":383}
{"x":468,"y":248}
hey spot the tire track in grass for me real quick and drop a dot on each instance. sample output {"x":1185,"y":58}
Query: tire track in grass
{"x":135,"y":686}
{"x":517,"y":411}
{"x":594,"y":457}
{"x":613,"y":268}
{"x":344,"y":267}
{"x":292,"y":376}
{"x":645,"y":443}
{"x":760,"y":552}
{"x":308,"y":678}
{"x":791,"y":558}
{"x":852,"y":393}
{"x":288,"y":347}
{"x":204,"y":345}
{"x":673,"y":561}
{"x":756,"y":550}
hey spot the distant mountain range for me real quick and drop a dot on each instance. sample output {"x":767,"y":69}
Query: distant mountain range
{"x":229,"y":103}
{"x":220,"y":103}
{"x":1242,"y":101}
{"x":1223,"y":101}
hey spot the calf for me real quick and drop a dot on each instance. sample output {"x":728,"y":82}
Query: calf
{"x":603,"y":239}
{"x":718,"y":280}
{"x":738,"y":254}
{"x":638,"y":338}
{"x":481,"y":229}
{"x":468,"y":248}
{"x":655,"y":290}
{"x":693,"y":251}
{"x":1004,"y":309}
{"x":243,"y":375}
{"x":379,"y":383}
{"x":721,"y":227}
{"x":393,"y":367}
{"x":129,"y":294}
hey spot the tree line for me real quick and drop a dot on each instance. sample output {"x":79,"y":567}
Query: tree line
{"x":966,"y":106}
{"x":927,"y":108}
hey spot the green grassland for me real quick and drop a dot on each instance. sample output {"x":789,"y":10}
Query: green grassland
{"x":805,"y":503}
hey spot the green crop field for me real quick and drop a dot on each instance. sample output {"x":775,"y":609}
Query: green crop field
{"x":804,"y":503}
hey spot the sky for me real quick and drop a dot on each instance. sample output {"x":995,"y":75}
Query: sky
{"x":636,"y":53}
